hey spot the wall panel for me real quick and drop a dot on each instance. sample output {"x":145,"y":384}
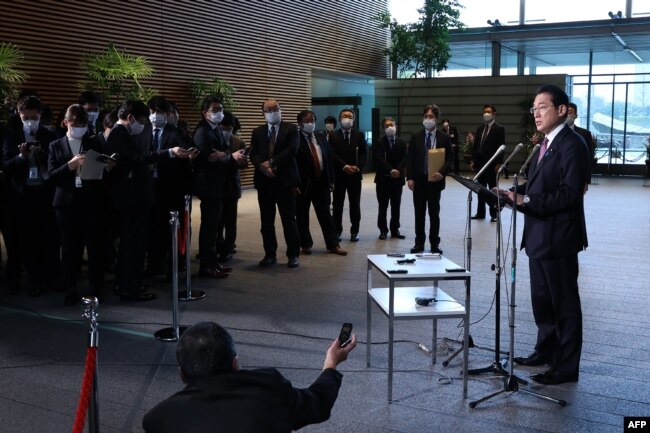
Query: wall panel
{"x":264,"y":48}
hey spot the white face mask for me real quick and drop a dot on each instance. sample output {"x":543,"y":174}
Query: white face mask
{"x":445,"y":125}
{"x":226,"y":135}
{"x":77,"y":132}
{"x":308,"y":127}
{"x":570,"y":120}
{"x":172,"y":120}
{"x":487,"y":117}
{"x":158,"y":120}
{"x":329,"y":127}
{"x":346,"y":123}
{"x":390,"y":131}
{"x":92,"y":116}
{"x":136,"y":127}
{"x":429,"y":124}
{"x":217,"y":117}
{"x":30,"y":125}
{"x":274,"y":117}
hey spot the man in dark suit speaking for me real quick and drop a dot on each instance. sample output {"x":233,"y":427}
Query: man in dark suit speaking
{"x":554,"y":234}
{"x":219,"y":396}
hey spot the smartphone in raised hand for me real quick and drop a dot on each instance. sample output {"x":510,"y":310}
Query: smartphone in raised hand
{"x":345,"y":336}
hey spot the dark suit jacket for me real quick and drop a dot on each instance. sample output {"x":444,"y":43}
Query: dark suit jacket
{"x":62,"y":177}
{"x":386,"y":159}
{"x":453,"y":135}
{"x":496,"y":136}
{"x":306,"y":163}
{"x":344,"y":154}
{"x":586,"y":136}
{"x":245,"y":401}
{"x":284,"y":154}
{"x":209,"y":176}
{"x":555,"y":221}
{"x":130,"y":182}
{"x":416,"y":155}
{"x":15,"y":167}
{"x":174,"y":174}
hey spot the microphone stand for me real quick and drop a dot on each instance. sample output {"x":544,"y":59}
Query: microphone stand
{"x":511,"y":381}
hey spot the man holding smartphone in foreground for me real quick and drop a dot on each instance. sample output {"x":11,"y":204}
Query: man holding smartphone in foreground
{"x":219,"y":396}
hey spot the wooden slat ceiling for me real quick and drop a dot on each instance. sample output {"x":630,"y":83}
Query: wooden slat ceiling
{"x":264,"y":48}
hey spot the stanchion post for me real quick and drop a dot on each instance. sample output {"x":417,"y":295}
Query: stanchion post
{"x":189,"y":295}
{"x":90,"y":305}
{"x":173,"y":333}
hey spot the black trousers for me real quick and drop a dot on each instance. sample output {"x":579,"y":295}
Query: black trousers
{"x":132,"y":229}
{"x":210,"y":217}
{"x":352,"y":185}
{"x":426,"y":196}
{"x":316,"y":193}
{"x":488,"y":180}
{"x":159,"y":242}
{"x":557,"y":311}
{"x":80,"y":226}
{"x":227,"y":231}
{"x":270,"y":195}
{"x":389,"y":192}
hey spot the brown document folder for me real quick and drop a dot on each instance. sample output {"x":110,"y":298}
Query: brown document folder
{"x":436,"y":161}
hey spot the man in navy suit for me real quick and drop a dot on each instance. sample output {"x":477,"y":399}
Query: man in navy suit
{"x":273,"y":153}
{"x":554,"y":234}
{"x":316,"y":181}
{"x":389,"y":157}
{"x":427,"y":187}
{"x":487,"y":140}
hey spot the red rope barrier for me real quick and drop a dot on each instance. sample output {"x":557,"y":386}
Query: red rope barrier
{"x":182,"y":234}
{"x":86,"y":390}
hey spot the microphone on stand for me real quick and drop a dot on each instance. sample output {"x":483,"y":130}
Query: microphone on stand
{"x":496,"y":154}
{"x":505,"y":164}
{"x":530,"y":158}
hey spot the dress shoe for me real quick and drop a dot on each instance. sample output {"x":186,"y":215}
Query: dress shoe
{"x":383,"y":236}
{"x":478,"y":217}
{"x":397,"y":235}
{"x":212,"y":273}
{"x":36,"y":290}
{"x":533,"y":360}
{"x":267,"y":261}
{"x":223,"y":258}
{"x":137,"y":297}
{"x":306,"y":250}
{"x":224,"y":269}
{"x":417,"y":249}
{"x":293,"y":262}
{"x":493,"y":219}
{"x":338,"y":251}
{"x":354,"y":237}
{"x":436,"y":250}
{"x":552,"y":377}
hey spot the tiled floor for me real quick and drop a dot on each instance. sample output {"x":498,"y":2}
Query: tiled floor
{"x":285,"y":318}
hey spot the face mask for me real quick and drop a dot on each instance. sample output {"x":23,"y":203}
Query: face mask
{"x":274,"y":117}
{"x":136,"y":127}
{"x":226,"y":135}
{"x":429,"y":123}
{"x":217,"y":117}
{"x":446,"y":125}
{"x":570,"y":120}
{"x":487,"y":117}
{"x":329,"y":127}
{"x":346,"y":123}
{"x":92,"y":116}
{"x":172,"y":120}
{"x":30,"y":125}
{"x":390,"y":131}
{"x":308,"y":127}
{"x":158,"y":120}
{"x":77,"y":132}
